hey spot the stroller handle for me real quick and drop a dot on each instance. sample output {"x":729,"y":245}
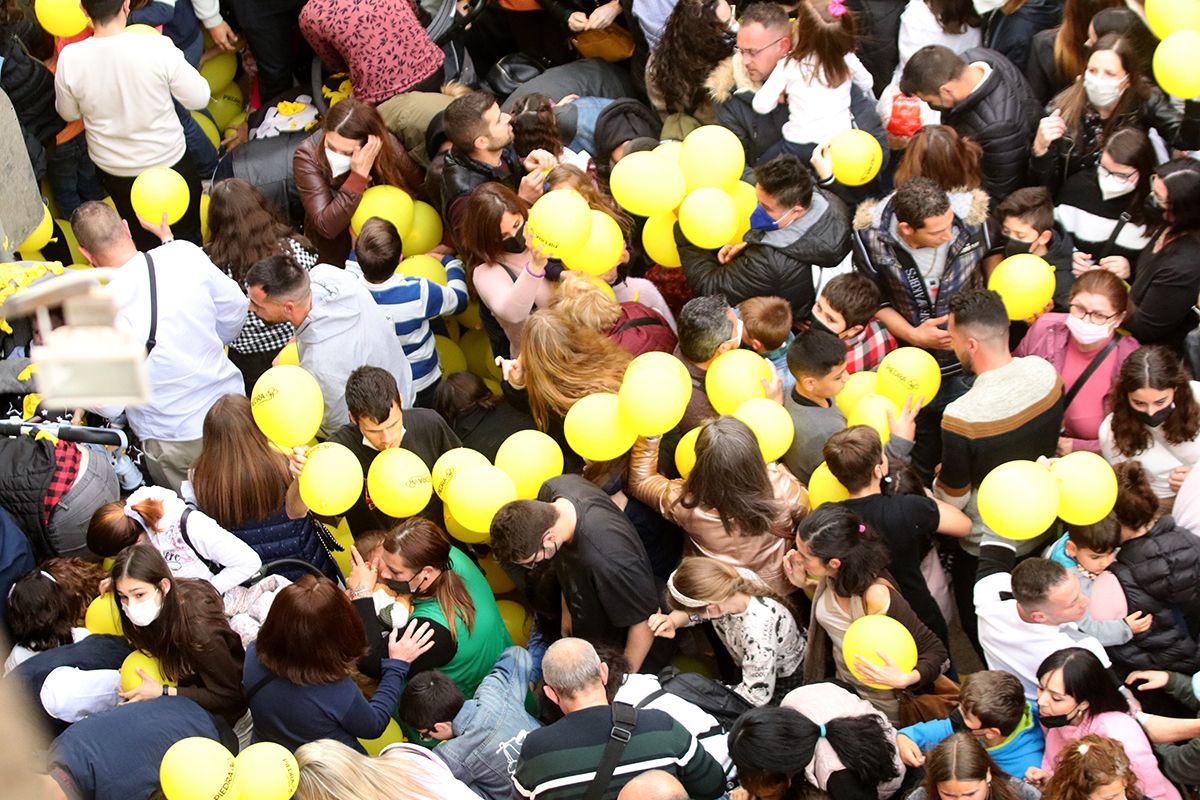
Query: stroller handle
{"x":68,"y":433}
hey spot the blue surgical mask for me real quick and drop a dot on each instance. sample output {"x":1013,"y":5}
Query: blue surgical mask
{"x":760,"y":220}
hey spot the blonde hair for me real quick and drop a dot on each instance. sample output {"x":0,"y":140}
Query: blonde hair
{"x":585,"y":305}
{"x":712,"y":581}
{"x":330,"y":770}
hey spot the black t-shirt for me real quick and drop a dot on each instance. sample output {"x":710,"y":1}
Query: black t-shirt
{"x":604,"y":571}
{"x":427,"y":435}
{"x":906,"y":523}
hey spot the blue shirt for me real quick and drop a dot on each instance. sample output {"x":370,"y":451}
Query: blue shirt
{"x":1020,"y":750}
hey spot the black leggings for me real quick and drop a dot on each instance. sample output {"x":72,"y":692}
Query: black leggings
{"x":187,"y":228}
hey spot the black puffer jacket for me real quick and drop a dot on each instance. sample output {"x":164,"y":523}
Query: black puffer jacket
{"x":462,"y":175}
{"x":1160,"y":573}
{"x":776,"y":262}
{"x":26,"y":467}
{"x":1002,"y":115}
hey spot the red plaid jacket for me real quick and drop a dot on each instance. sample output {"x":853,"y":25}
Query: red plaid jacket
{"x":867,"y":349}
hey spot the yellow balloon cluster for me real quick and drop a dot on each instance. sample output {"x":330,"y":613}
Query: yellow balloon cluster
{"x":1018,"y":499}
{"x":560,"y":222}
{"x":160,"y":190}
{"x":475,"y":495}
{"x":735,"y":377}
{"x":772,"y":426}
{"x":332,"y":479}
{"x":197,"y":768}
{"x":654,"y":393}
{"x":219,"y":71}
{"x":287,"y":405}
{"x":648,"y":183}
{"x":712,"y":155}
{"x":857,"y":386}
{"x":1087,"y":487}
{"x":603,"y":249}
{"x":448,"y":465}
{"x":530,"y":458}
{"x":596,"y":429}
{"x":399,"y":483}
{"x":708,"y":217}
{"x":1025,"y":282}
{"x":386,"y":202}
{"x":873,"y":634}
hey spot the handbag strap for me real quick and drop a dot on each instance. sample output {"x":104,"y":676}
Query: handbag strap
{"x":1122,"y":221}
{"x":624,"y":719}
{"x":1088,"y":370}
{"x":151,"y":341}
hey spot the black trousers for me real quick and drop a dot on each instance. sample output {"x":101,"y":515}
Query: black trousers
{"x":270,"y":28}
{"x":188,"y":227}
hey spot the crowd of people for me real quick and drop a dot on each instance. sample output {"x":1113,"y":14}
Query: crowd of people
{"x":676,"y":621}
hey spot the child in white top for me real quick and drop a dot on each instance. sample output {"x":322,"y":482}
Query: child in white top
{"x":816,"y":77}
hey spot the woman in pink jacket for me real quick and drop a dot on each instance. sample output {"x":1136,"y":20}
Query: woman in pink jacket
{"x":1077,"y":697}
{"x":1071,"y":342}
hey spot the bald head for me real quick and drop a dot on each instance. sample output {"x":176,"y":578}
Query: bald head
{"x":653,"y":785}
{"x":101,"y":234}
{"x":571,"y":667}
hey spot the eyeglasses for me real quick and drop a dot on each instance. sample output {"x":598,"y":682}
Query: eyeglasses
{"x":538,"y":557}
{"x":1125,"y":176}
{"x":1094,"y":317}
{"x":754,"y":53}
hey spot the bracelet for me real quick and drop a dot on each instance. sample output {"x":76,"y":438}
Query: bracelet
{"x":358,"y":594}
{"x":534,"y":274}
{"x":168,"y":240}
{"x":166,"y":691}
{"x":695,"y":619}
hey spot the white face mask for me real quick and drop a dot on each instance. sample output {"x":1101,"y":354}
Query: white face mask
{"x":1111,"y":186}
{"x":144,"y":611}
{"x":339,"y":164}
{"x":1087,"y":333}
{"x":1102,"y":92}
{"x":984,"y":6}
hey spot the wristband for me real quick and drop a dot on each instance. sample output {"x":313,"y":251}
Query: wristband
{"x":166,"y":691}
{"x":695,"y":619}
{"x":168,"y":240}
{"x":358,"y":594}
{"x":534,"y":274}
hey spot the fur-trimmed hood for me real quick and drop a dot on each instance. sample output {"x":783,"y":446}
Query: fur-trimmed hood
{"x":970,"y":206}
{"x":727,"y":79}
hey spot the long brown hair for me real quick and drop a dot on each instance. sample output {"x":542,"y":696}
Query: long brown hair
{"x":563,"y":364}
{"x":245,"y":228}
{"x":80,"y":581}
{"x":962,"y":758}
{"x":1088,"y":763}
{"x":1070,"y":49}
{"x":828,"y":38}
{"x":1074,"y":104}
{"x":713,"y":581}
{"x":420,"y":543}
{"x":1131,"y":147}
{"x":238,"y":477}
{"x":1152,"y":367}
{"x":192,"y":611}
{"x":535,"y":126}
{"x":937,"y":152}
{"x":111,"y":531}
{"x":955,"y":16}
{"x":693,"y":43}
{"x":312,"y":635}
{"x":481,"y":237}
{"x":731,"y":478}
{"x":459,"y":393}
{"x":357,"y":120}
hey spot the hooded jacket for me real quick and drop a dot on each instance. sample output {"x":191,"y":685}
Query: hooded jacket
{"x":343,"y":331}
{"x":778,"y":262}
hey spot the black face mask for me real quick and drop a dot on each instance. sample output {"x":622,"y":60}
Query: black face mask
{"x":1014,"y":247}
{"x":516,"y":243}
{"x":817,"y":324}
{"x":957,"y":723}
{"x":1155,"y":419}
{"x":1058,"y":720}
{"x":399,"y":587}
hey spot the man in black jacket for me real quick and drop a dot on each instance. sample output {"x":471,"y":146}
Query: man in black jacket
{"x":793,"y":229}
{"x":983,"y":96}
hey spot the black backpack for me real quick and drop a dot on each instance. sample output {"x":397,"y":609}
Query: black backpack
{"x":715,"y":698}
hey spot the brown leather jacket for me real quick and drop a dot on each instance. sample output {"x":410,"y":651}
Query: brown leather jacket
{"x":330,"y":202}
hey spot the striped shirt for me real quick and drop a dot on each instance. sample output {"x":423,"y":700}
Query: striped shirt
{"x":409,"y":304}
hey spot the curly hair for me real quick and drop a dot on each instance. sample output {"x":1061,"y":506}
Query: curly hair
{"x":79,"y":579}
{"x":1152,"y":367}
{"x":694,"y":41}
{"x":535,"y":127}
{"x":1087,"y":764}
{"x":245,"y":228}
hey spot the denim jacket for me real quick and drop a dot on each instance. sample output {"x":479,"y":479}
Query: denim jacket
{"x":490,"y":729}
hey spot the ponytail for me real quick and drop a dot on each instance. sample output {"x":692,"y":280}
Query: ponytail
{"x":112,"y":529}
{"x":452,"y":596}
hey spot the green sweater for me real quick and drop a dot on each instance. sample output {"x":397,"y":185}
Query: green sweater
{"x":1181,"y":760}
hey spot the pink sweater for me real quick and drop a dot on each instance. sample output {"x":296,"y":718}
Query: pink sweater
{"x":1126,"y":730}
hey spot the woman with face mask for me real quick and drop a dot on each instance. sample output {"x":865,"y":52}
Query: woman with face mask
{"x":1155,"y":419}
{"x":181,"y":624}
{"x":352,"y":151}
{"x":1072,"y":341}
{"x":504,"y":272}
{"x":1111,"y":94}
{"x":1077,"y":697}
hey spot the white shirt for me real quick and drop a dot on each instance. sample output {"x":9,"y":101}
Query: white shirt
{"x":200,"y":310}
{"x":122,"y":87}
{"x":20,"y":653}
{"x":698,"y":722}
{"x":1160,"y":458}
{"x":816,"y":112}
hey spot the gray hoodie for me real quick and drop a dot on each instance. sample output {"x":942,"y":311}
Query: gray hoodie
{"x":346,"y":330}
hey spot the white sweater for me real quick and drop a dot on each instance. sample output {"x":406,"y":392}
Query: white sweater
{"x":122,"y":87}
{"x":1160,"y":458}
{"x":816,"y":112}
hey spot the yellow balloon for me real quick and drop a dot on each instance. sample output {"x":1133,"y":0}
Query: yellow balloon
{"x":654,"y":393}
{"x":219,"y":71}
{"x":1168,"y":16}
{"x":130,"y":679}
{"x":772,"y":426}
{"x":63,"y":18}
{"x":141,"y":28}
{"x":909,"y":372}
{"x":227,"y":104}
{"x":530,"y":458}
{"x":497,"y":578}
{"x":267,"y":771}
{"x":399,"y":483}
{"x":517,"y":620}
{"x":205,"y":233}
{"x":648,"y":183}
{"x":1018,"y":500}
{"x":73,"y":243}
{"x":735,"y":377}
{"x":331,"y":480}
{"x":856,"y":157}
{"x":1177,"y":64}
{"x":159,"y":190}
{"x":448,"y":465}
{"x":288,"y":355}
{"x":658,"y":239}
{"x":873,"y":634}
{"x":426,"y":232}
{"x":872,"y":410}
{"x":685,"y":451}
{"x":824,"y":488}
{"x":1087,"y":487}
{"x":560,"y":222}
{"x":478,"y":351}
{"x":858,"y":386}
{"x":596,"y":430}
{"x":287,"y":405}
{"x":423,"y":266}
{"x":342,"y":535}
{"x":197,"y":768}
{"x":460,"y":532}
{"x":450,"y":355}
{"x":670,"y":149}
{"x":745,"y":200}
{"x":386,"y":202}
{"x":470,"y":318}
{"x":708,"y":217}
{"x":603,"y":249}
{"x":477,"y":492}
{"x":211,"y":132}
{"x":391,"y":735}
{"x":1026,"y":282}
{"x":40,"y":236}
{"x":102,"y":615}
{"x":712,"y":155}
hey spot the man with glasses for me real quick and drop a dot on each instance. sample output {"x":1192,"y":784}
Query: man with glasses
{"x":579,"y":534}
